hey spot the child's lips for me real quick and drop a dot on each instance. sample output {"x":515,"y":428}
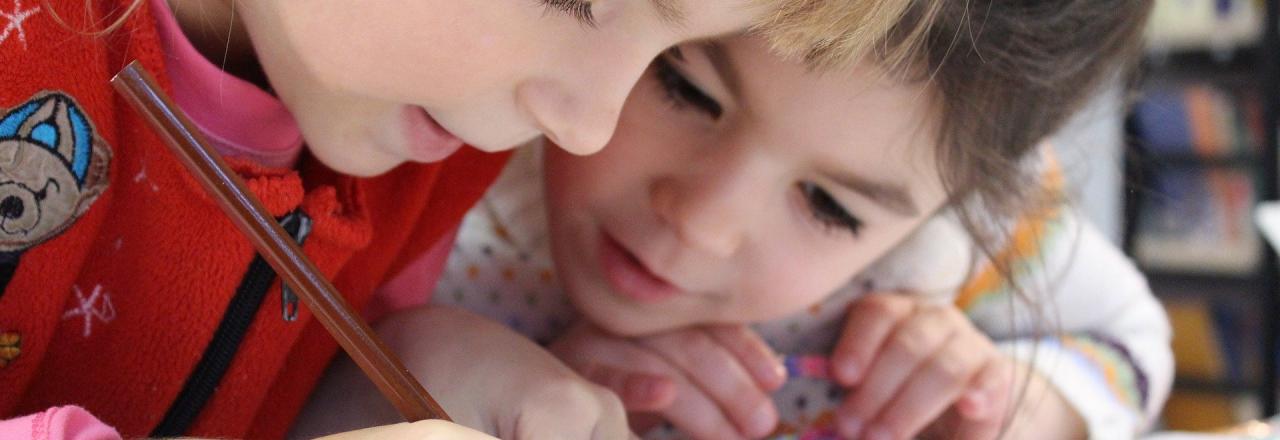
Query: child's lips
{"x":427,"y":140}
{"x":629,"y":276}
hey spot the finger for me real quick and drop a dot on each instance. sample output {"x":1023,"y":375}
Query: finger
{"x":612,"y":423}
{"x":996,"y":385}
{"x":638,"y":376}
{"x":753,"y":353}
{"x":909,"y":345}
{"x":868,"y":323}
{"x":423,"y":429}
{"x":696,"y":415}
{"x":572,"y":408}
{"x":716,"y":372}
{"x":989,"y":392}
{"x":639,"y":391}
{"x":933,"y":387}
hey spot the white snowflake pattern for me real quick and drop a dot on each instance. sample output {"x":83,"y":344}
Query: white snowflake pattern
{"x":16,"y":19}
{"x":90,"y":309}
{"x":142,"y":176}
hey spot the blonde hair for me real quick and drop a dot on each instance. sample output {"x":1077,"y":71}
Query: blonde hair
{"x":836,"y":33}
{"x":822,"y":33}
{"x":88,"y":7}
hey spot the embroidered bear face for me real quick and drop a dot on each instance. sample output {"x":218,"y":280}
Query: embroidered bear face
{"x":52,"y":168}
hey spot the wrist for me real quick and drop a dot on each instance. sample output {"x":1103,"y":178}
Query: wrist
{"x":1040,"y":409}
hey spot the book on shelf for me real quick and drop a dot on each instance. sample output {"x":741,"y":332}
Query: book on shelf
{"x":1198,"y":218}
{"x":1213,"y":25}
{"x":1198,"y":221}
{"x":1218,"y":361}
{"x":1199,"y":119}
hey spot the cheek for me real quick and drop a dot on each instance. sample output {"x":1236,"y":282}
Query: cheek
{"x":644,"y":145}
{"x":573,"y":181}
{"x":794,"y":276}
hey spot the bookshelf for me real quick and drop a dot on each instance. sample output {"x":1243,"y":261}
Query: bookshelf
{"x":1202,"y":151}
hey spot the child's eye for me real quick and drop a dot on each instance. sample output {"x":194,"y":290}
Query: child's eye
{"x":680,"y":91}
{"x":579,"y":9}
{"x":827,"y":210}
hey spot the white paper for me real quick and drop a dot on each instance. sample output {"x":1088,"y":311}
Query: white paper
{"x":1269,"y":222}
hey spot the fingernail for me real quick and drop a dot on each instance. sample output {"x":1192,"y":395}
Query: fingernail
{"x":879,"y":433}
{"x":850,"y":426}
{"x":774,"y":374}
{"x":763,"y":420}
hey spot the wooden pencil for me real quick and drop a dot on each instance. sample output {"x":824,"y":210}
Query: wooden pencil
{"x":276,"y":246}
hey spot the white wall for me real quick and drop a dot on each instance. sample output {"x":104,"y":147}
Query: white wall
{"x":1091,"y":149}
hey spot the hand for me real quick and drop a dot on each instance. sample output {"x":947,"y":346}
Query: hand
{"x":1046,"y":415}
{"x":710,"y":382}
{"x":423,"y":430}
{"x":483,"y":374}
{"x":909,"y":363}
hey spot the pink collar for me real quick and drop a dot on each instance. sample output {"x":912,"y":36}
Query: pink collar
{"x":241,"y":119}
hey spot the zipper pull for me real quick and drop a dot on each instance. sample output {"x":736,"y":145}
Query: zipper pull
{"x":298,"y":224}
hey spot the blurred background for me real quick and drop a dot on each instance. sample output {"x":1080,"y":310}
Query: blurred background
{"x":1177,"y":179}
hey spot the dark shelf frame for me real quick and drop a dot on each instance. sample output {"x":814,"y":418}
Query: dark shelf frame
{"x":1216,"y":386}
{"x":1201,"y":161}
{"x":1268,"y":275}
{"x":1242,"y":59}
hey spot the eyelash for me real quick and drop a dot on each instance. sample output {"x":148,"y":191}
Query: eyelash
{"x":827,"y":210}
{"x":682,"y":92}
{"x":578,"y":9}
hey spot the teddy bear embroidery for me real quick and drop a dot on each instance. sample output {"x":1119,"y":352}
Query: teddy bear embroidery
{"x":53,"y":166}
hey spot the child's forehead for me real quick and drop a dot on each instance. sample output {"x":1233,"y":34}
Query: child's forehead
{"x":859,"y":101}
{"x":854,"y":119}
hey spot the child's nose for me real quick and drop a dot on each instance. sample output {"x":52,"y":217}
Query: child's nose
{"x":567,"y":118}
{"x":578,"y":107}
{"x":706,"y":215}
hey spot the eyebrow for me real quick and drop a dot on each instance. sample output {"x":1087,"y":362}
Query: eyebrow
{"x":724,"y":66}
{"x":669,"y":11}
{"x":893,"y":197}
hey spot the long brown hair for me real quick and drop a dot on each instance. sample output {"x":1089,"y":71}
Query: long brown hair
{"x":1006,"y":74}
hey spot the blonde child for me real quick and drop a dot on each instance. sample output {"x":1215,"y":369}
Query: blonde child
{"x":124,"y":291}
{"x":741,"y":188}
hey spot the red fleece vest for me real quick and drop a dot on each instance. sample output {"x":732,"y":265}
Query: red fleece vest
{"x":122,"y":269}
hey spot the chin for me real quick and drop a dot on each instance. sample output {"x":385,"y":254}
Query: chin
{"x":624,"y":328}
{"x":625,"y":323}
{"x":608,"y":317}
{"x":362,"y":170}
{"x":366,"y":164}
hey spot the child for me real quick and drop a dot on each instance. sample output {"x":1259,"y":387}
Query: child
{"x":126,"y":291}
{"x":741,"y":188}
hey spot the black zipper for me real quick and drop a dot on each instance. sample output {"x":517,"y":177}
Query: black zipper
{"x":218,"y":355}
{"x":8,"y":265}
{"x":288,"y":299}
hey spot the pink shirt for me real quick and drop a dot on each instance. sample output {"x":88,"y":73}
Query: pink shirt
{"x":240,"y":119}
{"x":58,"y":423}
